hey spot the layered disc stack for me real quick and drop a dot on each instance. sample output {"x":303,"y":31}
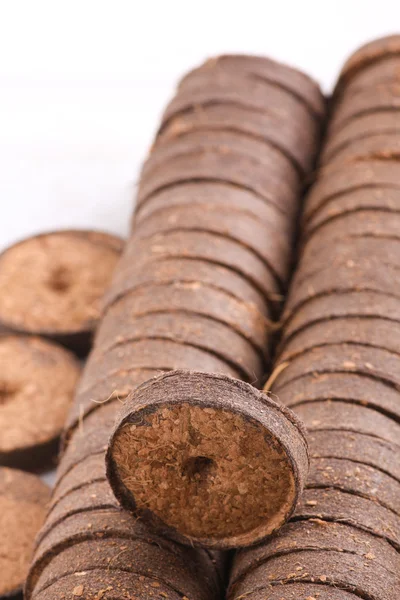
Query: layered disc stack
{"x":338,"y":364}
{"x":198,"y":287}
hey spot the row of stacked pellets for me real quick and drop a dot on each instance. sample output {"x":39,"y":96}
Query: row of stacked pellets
{"x":216,"y":210}
{"x":338,"y":364}
{"x":198,"y":287}
{"x":52,"y":285}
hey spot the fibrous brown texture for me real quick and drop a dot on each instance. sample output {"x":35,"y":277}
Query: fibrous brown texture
{"x":337,"y":362}
{"x":198,"y":201}
{"x":233,"y":454}
{"x":52,"y":284}
{"x":23,"y":501}
{"x":198,"y":287}
{"x":37,"y":384}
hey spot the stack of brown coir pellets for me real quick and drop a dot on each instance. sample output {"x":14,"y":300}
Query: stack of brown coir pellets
{"x":51,"y":290}
{"x":338,"y":363}
{"x":199,"y":285}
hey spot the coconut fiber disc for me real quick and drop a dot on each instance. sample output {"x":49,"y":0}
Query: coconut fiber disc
{"x":334,"y":182}
{"x":316,"y":534}
{"x":385,"y":72}
{"x":214,"y":195}
{"x":263,"y":69}
{"x":361,"y":128}
{"x":367,"y":55}
{"x":136,"y":557}
{"x":23,"y":499}
{"x":272,"y":130}
{"x":37,"y":383}
{"x":54,"y":283}
{"x":207,"y":459}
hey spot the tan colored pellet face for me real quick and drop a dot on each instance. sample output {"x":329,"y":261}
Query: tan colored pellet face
{"x":64,"y":278}
{"x":36,"y":387}
{"x":209,"y":473}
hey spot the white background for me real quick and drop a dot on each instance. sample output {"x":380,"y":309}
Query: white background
{"x":82,"y":85}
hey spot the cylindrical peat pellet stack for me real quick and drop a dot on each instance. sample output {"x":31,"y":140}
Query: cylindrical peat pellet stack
{"x":201,"y":280}
{"x":51,"y":287}
{"x":195,"y":289}
{"x":338,"y":363}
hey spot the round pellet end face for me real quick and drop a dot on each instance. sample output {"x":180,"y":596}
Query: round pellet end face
{"x":207,"y":460}
{"x":53,"y":283}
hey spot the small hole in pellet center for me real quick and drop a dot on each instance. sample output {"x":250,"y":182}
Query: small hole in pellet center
{"x":60,"y":280}
{"x":7,"y":392}
{"x":197,"y":467}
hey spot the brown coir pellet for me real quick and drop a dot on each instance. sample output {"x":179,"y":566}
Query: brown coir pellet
{"x":191,"y":271}
{"x":348,"y":277}
{"x":53,"y":284}
{"x":375,"y":74}
{"x":93,"y":496}
{"x":236,"y":170}
{"x":23,"y":500}
{"x":383,"y":97}
{"x":131,"y":556}
{"x":347,"y":358}
{"x":378,"y":146}
{"x":376,"y":224}
{"x":221,"y":142}
{"x":245,"y":229}
{"x":200,"y":245}
{"x":356,"y":478}
{"x":115,"y":524}
{"x":87,"y":471}
{"x":299,"y":142}
{"x":346,"y":304}
{"x":352,"y":388}
{"x":194,"y":330}
{"x":214,"y":196}
{"x":363,"y":127}
{"x":264,"y":69}
{"x":84,"y":526}
{"x":200,"y":498}
{"x":345,"y":178}
{"x":161,"y":353}
{"x":242,"y":119}
{"x":37,"y":384}
{"x":362,"y":576}
{"x":357,"y":447}
{"x":341,"y":506}
{"x":375,"y":332}
{"x":351,"y":251}
{"x":348,"y":417}
{"x":317,"y":535}
{"x":373,"y":53}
